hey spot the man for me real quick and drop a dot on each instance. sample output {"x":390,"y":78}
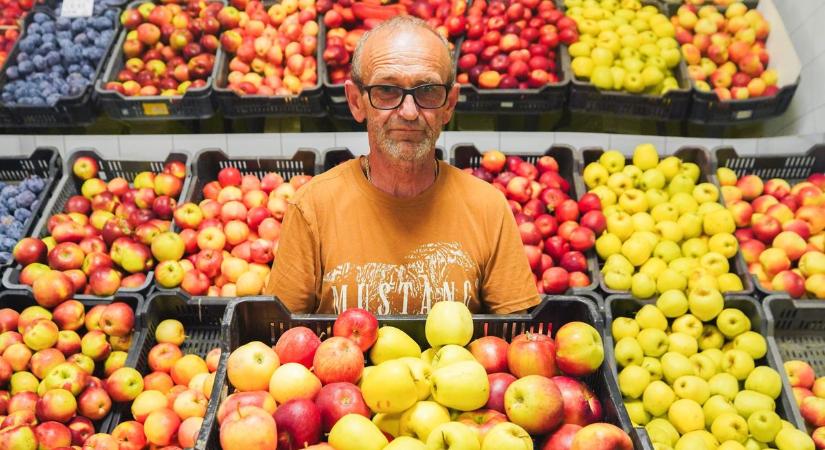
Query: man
{"x":397,"y":230}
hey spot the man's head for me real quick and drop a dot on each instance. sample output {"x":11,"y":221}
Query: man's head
{"x":403,"y":52}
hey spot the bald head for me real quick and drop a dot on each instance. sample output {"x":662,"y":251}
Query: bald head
{"x":399,"y":35}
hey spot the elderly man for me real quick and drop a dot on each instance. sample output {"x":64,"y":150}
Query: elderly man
{"x":397,"y":230}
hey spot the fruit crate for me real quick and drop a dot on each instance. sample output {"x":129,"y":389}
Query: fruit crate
{"x":627,"y":306}
{"x":794,"y":168}
{"x":70,"y":110}
{"x":20,"y":300}
{"x":44,"y":162}
{"x":69,"y":186}
{"x":266,"y":319}
{"x":670,"y":7}
{"x":201,"y":319}
{"x":706,"y":107}
{"x":468,"y":156}
{"x":701,"y":157}
{"x":309,"y":103}
{"x":337,"y":155}
{"x":196,"y":103}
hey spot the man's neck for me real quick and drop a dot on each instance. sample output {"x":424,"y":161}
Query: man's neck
{"x":401,"y":178}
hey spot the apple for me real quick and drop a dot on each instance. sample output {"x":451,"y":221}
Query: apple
{"x":358,"y":325}
{"x":298,"y":423}
{"x":581,"y":406}
{"x":491,"y":352}
{"x":535,"y":403}
{"x":579,"y":349}
{"x":94,"y":403}
{"x":337,"y":400}
{"x":297,"y":344}
{"x":601,"y":436}
{"x":562,"y":438}
{"x":338,"y":359}
{"x":532,"y":354}
{"x":124,"y":384}
{"x":57,"y":404}
{"x":251,"y":365}
{"x":161,"y":426}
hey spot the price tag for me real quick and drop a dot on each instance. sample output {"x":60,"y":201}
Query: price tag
{"x":77,"y":8}
{"x":155,"y":109}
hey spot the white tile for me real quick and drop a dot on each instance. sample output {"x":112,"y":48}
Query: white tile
{"x":291,"y":142}
{"x":253,"y":144}
{"x":48,"y":140}
{"x":27,"y":143}
{"x":526,"y":142}
{"x":807,"y":38}
{"x":483,"y":140}
{"x":787,"y":144}
{"x":626,"y":143}
{"x":193,"y":143}
{"x":153,"y":147}
{"x":584,"y":140}
{"x":10,"y":146}
{"x":104,"y":144}
{"x":796,"y":12}
{"x":675,"y":143}
{"x":356,"y":142}
{"x":742,"y":146}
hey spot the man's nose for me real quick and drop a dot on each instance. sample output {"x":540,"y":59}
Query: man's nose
{"x":408,"y":109}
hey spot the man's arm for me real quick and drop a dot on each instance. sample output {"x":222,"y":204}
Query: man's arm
{"x":295,"y":274}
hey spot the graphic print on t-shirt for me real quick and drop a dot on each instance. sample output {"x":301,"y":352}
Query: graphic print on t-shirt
{"x":433,"y":272}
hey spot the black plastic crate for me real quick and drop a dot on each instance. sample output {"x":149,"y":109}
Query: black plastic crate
{"x":309,"y":103}
{"x":337,"y":155}
{"x":196,"y":103}
{"x":701,"y":157}
{"x":468,"y":156}
{"x":627,"y":306}
{"x":201,"y":319}
{"x":671,"y":6}
{"x":266,"y":319}
{"x":69,"y":186}
{"x":44,"y":162}
{"x":706,"y":107}
{"x":70,"y":110}
{"x":794,"y":168}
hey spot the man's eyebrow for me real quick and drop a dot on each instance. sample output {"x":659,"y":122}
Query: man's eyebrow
{"x":392,"y":78}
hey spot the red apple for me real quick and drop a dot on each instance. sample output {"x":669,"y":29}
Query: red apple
{"x":532,"y":354}
{"x":336,"y":400}
{"x":498,"y":386}
{"x":358,"y":325}
{"x":338,"y":359}
{"x":298,"y":423}
{"x":298,"y":345}
{"x":491,"y":352}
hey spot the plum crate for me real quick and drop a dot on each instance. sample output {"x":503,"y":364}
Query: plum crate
{"x":20,"y":300}
{"x":309,"y":103}
{"x":337,"y":155}
{"x":201,"y":319}
{"x":468,"y":156}
{"x":794,"y":168}
{"x":69,"y":185}
{"x":70,"y":110}
{"x":44,"y":162}
{"x":196,"y":103}
{"x":626,"y":306}
{"x":701,"y":157}
{"x":265,"y":319}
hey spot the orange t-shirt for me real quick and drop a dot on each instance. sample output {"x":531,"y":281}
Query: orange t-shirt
{"x":345,"y":244}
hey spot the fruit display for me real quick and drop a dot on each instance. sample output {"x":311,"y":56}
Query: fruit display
{"x":61,"y":370}
{"x":809,"y":395}
{"x":274,"y":52}
{"x":18,"y":201}
{"x":624,"y":46}
{"x":97,"y":240}
{"x":7,"y":40}
{"x":513,"y":44}
{"x":690,"y":371}
{"x":168,"y":49}
{"x":347,"y":20}
{"x":666,"y":230}
{"x":12,"y":13}
{"x":781,"y":230}
{"x":726,"y":53}
{"x":374,"y":388}
{"x":58,"y":57}
{"x":557,"y":231}
{"x":227,"y":241}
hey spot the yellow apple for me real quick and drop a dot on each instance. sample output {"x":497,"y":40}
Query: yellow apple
{"x":463,"y":386}
{"x":420,"y":420}
{"x":389,"y":388}
{"x":393,"y":343}
{"x":449,"y":323}
{"x":356,"y":432}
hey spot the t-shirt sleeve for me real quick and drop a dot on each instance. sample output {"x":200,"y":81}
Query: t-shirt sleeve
{"x":508,"y":283}
{"x":294,"y":278}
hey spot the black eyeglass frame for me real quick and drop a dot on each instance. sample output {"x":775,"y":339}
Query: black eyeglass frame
{"x":405,"y":92}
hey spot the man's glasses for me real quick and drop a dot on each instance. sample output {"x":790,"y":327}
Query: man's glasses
{"x":426,"y":96}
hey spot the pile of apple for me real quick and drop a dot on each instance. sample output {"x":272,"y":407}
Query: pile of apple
{"x":512,"y":44}
{"x":274,"y":49}
{"x":781,"y":230}
{"x":12,"y":11}
{"x":555,"y":237}
{"x":726,"y":53}
{"x":100,"y":242}
{"x":168,"y":404}
{"x":227,"y":242}
{"x":169,"y":48}
{"x":347,"y":20}
{"x":688,"y":375}
{"x":624,"y":46}
{"x":664,"y":231}
{"x":50,"y":361}
{"x":7,"y":40}
{"x":488,"y":395}
{"x":809,"y":393}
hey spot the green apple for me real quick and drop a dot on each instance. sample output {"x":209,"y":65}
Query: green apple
{"x":602,"y":57}
{"x":595,"y":174}
{"x":654,"y":342}
{"x":405,"y":443}
{"x":653,"y":367}
{"x":636,"y":410}
{"x":680,"y":183}
{"x":691,"y":170}
{"x":643,"y":221}
{"x":670,"y":231}
{"x":449,"y":323}
{"x":693,"y":388}
{"x":682,"y":343}
{"x":691,"y":225}
{"x":702,"y":277}
{"x":732,"y":322}
{"x":685,"y":202}
{"x":703,"y":366}
{"x":715,"y":406}
{"x":649,"y":316}
{"x":642,"y":285}
{"x":450,"y":354}
{"x":389,"y":397}
{"x":624,"y":327}
{"x":657,"y":398}
{"x":705,"y":303}
{"x":633,"y":81}
{"x":792,"y":439}
{"x":582,"y":67}
{"x":507,"y":436}
{"x":694,"y":248}
{"x":697,"y":440}
{"x":608,"y":244}
{"x":393,"y":343}
{"x":764,"y":425}
{"x":453,"y":435}
{"x":422,"y":418}
{"x":686,"y":415}
{"x":724,"y":384}
{"x":645,"y":156}
{"x":673,"y":303}
{"x":729,"y":282}
{"x":648,"y":236}
{"x":667,"y":251}
{"x":675,"y":365}
{"x":764,"y":380}
{"x":684,"y":265}
{"x":747,"y":402}
{"x":670,"y":280}
{"x":581,"y":49}
{"x":619,"y":182}
{"x":737,"y":363}
{"x":707,"y":208}
{"x":388,"y":423}
{"x":356,"y":431}
{"x":724,"y":244}
{"x":705,"y":193}
{"x":730,"y":427}
{"x":620,"y":263}
{"x":715,"y":263}
{"x":753,"y":444}
{"x":619,"y":74}
{"x":752,"y":343}
{"x":612,"y":160}
{"x":662,"y":432}
{"x":421,"y":371}
{"x":653,"y":266}
{"x":618,"y":281}
{"x":628,"y":352}
{"x":633,"y":380}
{"x":621,"y":225}
{"x":633,"y":201}
{"x":651,"y":179}
{"x":463,"y":386}
{"x":718,"y":221}
{"x":665,"y":211}
{"x":670,"y":166}
{"x":602,"y":77}
{"x":652,"y":74}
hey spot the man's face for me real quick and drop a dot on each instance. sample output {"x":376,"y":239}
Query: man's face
{"x":406,"y":58}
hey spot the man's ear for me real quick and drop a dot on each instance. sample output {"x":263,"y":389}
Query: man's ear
{"x":354,"y":98}
{"x":452,"y":99}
